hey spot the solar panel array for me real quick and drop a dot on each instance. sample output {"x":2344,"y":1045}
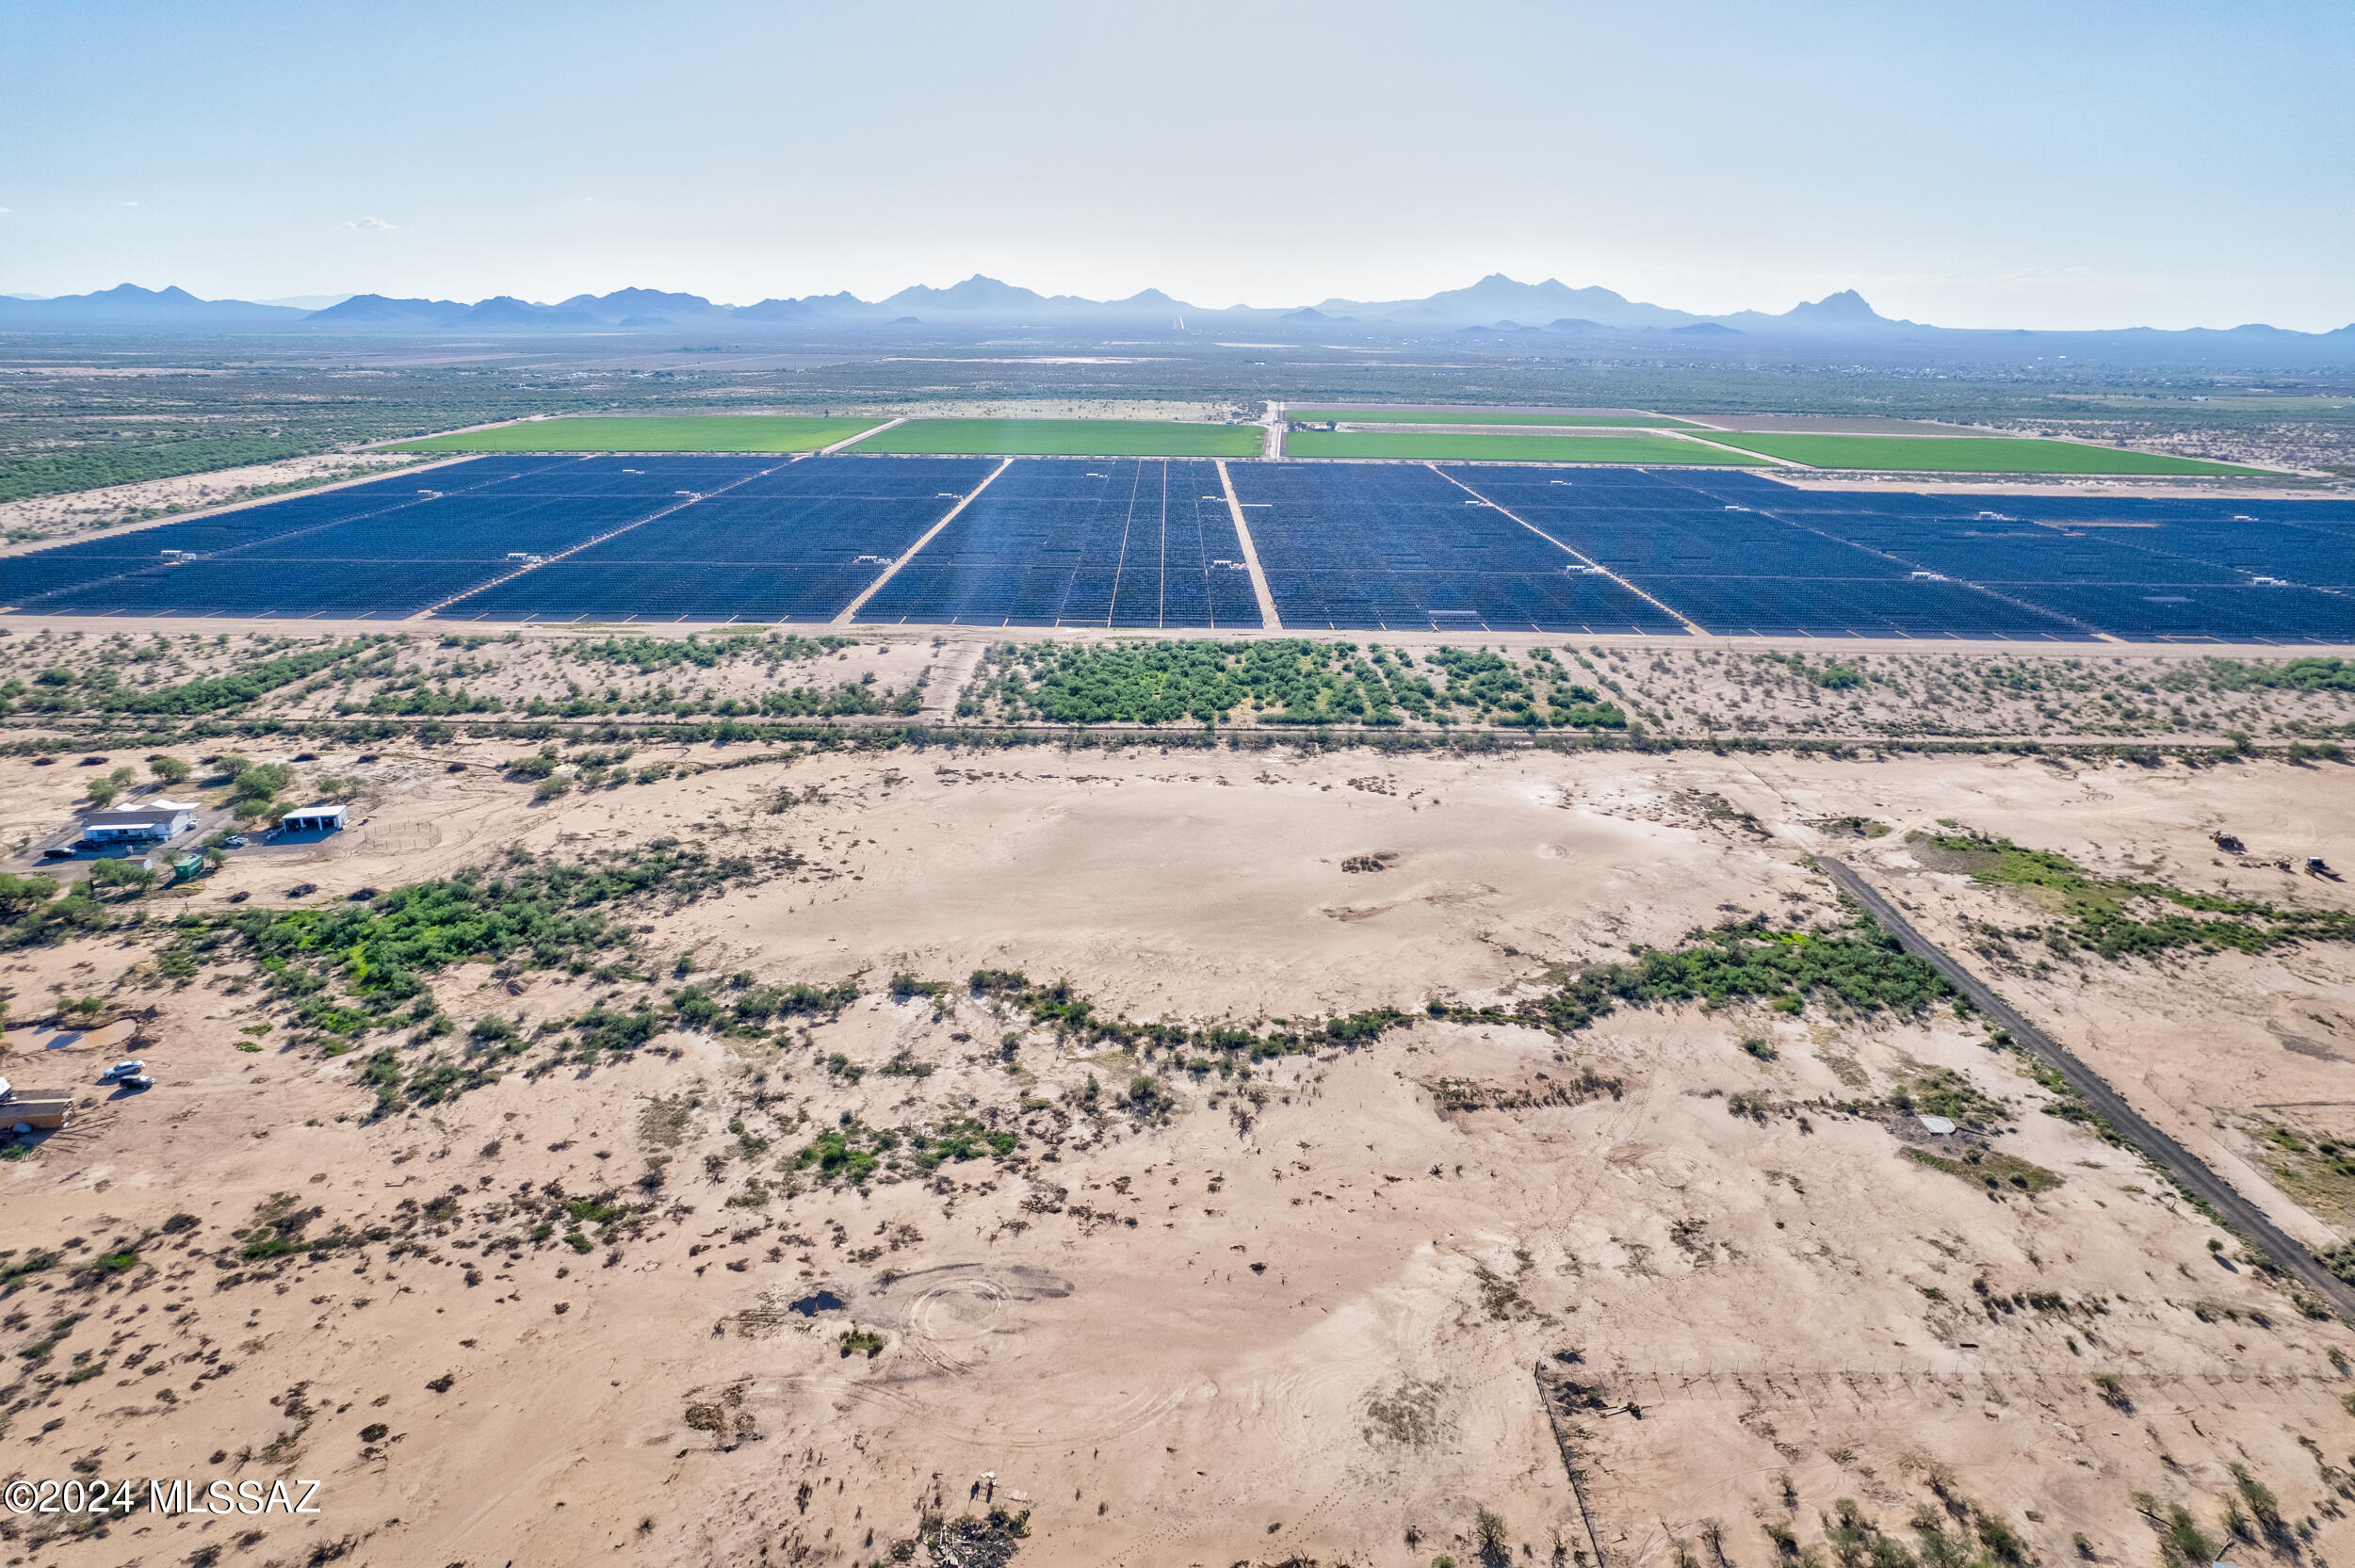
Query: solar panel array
{"x":385,"y":549}
{"x":1396,"y":546}
{"x":1139,"y":543}
{"x":1151,"y":542}
{"x":1732,"y":568}
{"x":2141,"y":567}
{"x":797,"y":544}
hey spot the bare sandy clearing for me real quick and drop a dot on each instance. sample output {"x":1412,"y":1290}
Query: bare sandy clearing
{"x":1305,"y":1312}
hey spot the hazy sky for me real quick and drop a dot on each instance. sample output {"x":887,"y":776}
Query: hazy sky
{"x":2081,"y":164}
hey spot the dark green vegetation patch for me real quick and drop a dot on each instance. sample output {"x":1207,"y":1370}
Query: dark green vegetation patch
{"x":2298,"y":675}
{"x":99,"y":687}
{"x":2120,"y":918}
{"x":349,"y":968}
{"x":1283,"y":681}
{"x":1856,"y":966}
{"x":853,"y":1152}
{"x":647,"y":654}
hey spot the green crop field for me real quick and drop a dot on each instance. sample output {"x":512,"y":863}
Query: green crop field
{"x":715,"y":433}
{"x":1486,"y":416}
{"x":1476,"y":448}
{"x":1069,"y":438}
{"x":1966,"y":455}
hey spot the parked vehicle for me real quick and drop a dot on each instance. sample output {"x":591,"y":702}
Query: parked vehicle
{"x":122,"y":1070}
{"x":234,"y":841}
{"x":60,"y":851}
{"x":137,"y":1081}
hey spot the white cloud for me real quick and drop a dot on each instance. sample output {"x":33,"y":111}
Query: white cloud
{"x":366,"y":225}
{"x":6,"y":211}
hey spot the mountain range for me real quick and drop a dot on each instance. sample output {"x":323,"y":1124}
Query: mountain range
{"x":1493,"y":306}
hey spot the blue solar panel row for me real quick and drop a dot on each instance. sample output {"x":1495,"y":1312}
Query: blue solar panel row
{"x":1149,"y":543}
{"x":391,"y":561}
{"x":1394,"y":547}
{"x":24,"y":578}
{"x":1734,"y":569}
{"x":1140,"y":542}
{"x":2136,"y":567}
{"x":797,"y":544}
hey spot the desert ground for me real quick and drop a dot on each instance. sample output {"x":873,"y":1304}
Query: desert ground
{"x":1105,"y":1300}
{"x":70,"y":670}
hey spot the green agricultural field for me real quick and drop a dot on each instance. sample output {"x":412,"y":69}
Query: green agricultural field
{"x":1478,"y":447}
{"x":1068,"y":438}
{"x":1486,"y":416}
{"x":1966,"y":455}
{"x":717,"y":432}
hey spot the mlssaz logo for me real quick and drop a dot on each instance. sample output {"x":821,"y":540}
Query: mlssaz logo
{"x":178,"y":1497}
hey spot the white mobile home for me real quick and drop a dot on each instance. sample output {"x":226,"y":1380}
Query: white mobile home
{"x":154,"y":822}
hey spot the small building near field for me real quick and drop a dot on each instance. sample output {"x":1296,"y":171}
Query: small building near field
{"x":46,"y":1108}
{"x":153,"y":823}
{"x":313,"y":820}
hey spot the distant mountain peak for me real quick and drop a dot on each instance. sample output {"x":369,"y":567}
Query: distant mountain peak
{"x":129,"y":305}
{"x":1497,"y":296}
{"x":1493,"y":306}
{"x":1845,"y":305}
{"x":979,"y":292}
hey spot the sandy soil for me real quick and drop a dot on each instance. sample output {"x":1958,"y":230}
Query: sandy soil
{"x":1687,"y":687}
{"x":1304,"y":1316}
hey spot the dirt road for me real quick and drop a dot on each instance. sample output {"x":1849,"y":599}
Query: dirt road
{"x":2239,"y":1214}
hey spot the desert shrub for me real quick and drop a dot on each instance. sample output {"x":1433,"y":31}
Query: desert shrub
{"x":122,"y":875}
{"x":1856,"y":965}
{"x":2120,"y":918}
{"x":1489,"y":1539}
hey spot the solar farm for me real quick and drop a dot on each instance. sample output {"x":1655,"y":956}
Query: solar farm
{"x":1153,"y":542}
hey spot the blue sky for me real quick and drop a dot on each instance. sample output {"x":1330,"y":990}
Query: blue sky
{"x":2081,"y":164}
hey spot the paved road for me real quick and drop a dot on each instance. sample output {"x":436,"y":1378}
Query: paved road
{"x":853,"y":440}
{"x":2243,"y":1217}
